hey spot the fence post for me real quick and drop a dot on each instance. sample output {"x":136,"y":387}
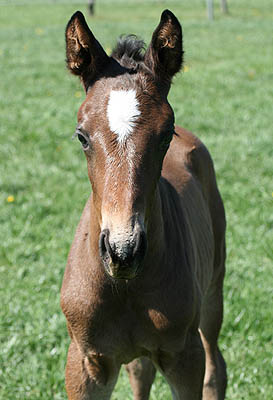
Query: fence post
{"x":91,"y":6}
{"x":224,"y":6}
{"x":210,"y":9}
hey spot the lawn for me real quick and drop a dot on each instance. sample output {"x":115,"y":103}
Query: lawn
{"x":224,"y":95}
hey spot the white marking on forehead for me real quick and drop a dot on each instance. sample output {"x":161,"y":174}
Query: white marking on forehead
{"x":122,"y":113}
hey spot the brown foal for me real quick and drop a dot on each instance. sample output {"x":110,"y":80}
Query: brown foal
{"x":143,"y":282}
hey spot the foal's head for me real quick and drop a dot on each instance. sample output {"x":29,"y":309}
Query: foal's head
{"x":125,"y":126}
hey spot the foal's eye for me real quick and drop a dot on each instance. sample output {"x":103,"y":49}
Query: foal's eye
{"x":84,"y":141}
{"x":164,"y":144}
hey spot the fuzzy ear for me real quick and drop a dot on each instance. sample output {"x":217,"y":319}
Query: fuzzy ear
{"x":164,"y":56}
{"x":84,"y":55}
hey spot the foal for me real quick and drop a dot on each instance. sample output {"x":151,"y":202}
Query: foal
{"x":143,"y":283}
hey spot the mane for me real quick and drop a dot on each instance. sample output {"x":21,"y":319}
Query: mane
{"x":129,"y":51}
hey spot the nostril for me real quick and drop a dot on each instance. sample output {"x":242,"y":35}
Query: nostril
{"x":122,"y":254}
{"x":104,"y":244}
{"x":141,"y":245}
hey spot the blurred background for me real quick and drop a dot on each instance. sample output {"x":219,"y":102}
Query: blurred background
{"x":224,"y":95}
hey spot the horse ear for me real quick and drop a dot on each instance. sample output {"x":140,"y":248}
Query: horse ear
{"x":164,"y":56}
{"x":84,"y":55}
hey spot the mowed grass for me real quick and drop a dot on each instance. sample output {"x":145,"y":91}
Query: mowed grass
{"x":224,"y":96}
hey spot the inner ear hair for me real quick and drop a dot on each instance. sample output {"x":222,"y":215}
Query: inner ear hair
{"x":84,"y":55}
{"x":167,"y":37}
{"x":77,"y":44}
{"x":165,"y":53}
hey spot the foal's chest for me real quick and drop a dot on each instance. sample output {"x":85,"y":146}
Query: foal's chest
{"x":128,"y":328}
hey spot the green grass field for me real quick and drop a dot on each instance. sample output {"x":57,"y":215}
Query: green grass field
{"x":225,"y":96}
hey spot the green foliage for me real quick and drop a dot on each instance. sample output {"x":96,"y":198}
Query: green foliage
{"x":224,"y":96}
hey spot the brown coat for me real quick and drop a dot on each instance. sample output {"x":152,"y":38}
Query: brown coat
{"x":168,"y":313}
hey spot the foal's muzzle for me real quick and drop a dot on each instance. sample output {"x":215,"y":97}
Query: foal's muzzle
{"x":122,"y":259}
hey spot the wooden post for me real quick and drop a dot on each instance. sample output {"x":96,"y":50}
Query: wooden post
{"x":210,"y":9}
{"x":91,"y":6}
{"x":224,"y":6}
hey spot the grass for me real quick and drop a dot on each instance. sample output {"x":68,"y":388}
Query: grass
{"x":225,"y":96}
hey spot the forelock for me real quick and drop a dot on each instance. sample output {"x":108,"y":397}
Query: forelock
{"x":129,"y":51}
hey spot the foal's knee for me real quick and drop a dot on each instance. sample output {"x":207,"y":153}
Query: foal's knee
{"x":89,"y":375}
{"x":96,"y":368}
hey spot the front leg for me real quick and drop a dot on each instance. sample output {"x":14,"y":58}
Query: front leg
{"x":141,"y":374}
{"x":89,"y":377}
{"x":184,"y":371}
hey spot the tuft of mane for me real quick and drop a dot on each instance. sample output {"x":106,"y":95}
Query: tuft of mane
{"x":129,"y":51}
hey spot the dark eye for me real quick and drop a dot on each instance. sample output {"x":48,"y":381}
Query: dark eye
{"x":165,"y":142}
{"x":83,"y":140}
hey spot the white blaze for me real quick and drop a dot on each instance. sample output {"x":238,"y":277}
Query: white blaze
{"x":122,"y":113}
